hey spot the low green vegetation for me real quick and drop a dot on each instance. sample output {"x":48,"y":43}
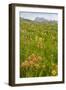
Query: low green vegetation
{"x":38,"y":48}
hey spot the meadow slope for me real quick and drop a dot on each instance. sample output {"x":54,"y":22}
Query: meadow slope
{"x":38,"y":48}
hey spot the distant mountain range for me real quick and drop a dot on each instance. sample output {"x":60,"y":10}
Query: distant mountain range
{"x":39,"y":19}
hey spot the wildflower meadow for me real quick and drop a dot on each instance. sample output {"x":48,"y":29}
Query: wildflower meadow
{"x":38,"y":48}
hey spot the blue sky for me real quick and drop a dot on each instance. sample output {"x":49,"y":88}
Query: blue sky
{"x":33,"y":15}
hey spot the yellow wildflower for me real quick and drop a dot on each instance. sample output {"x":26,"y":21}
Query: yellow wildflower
{"x":40,"y":39}
{"x":54,"y":72}
{"x":39,"y":58}
{"x":36,"y":38}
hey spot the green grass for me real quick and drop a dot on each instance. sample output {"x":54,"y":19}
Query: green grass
{"x":38,"y":41}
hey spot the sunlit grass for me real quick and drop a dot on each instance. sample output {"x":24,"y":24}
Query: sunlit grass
{"x":38,"y":49}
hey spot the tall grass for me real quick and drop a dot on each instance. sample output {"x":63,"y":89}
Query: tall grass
{"x":38,"y":49}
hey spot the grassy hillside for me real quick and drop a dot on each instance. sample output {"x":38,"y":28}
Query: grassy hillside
{"x":38,"y":48}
